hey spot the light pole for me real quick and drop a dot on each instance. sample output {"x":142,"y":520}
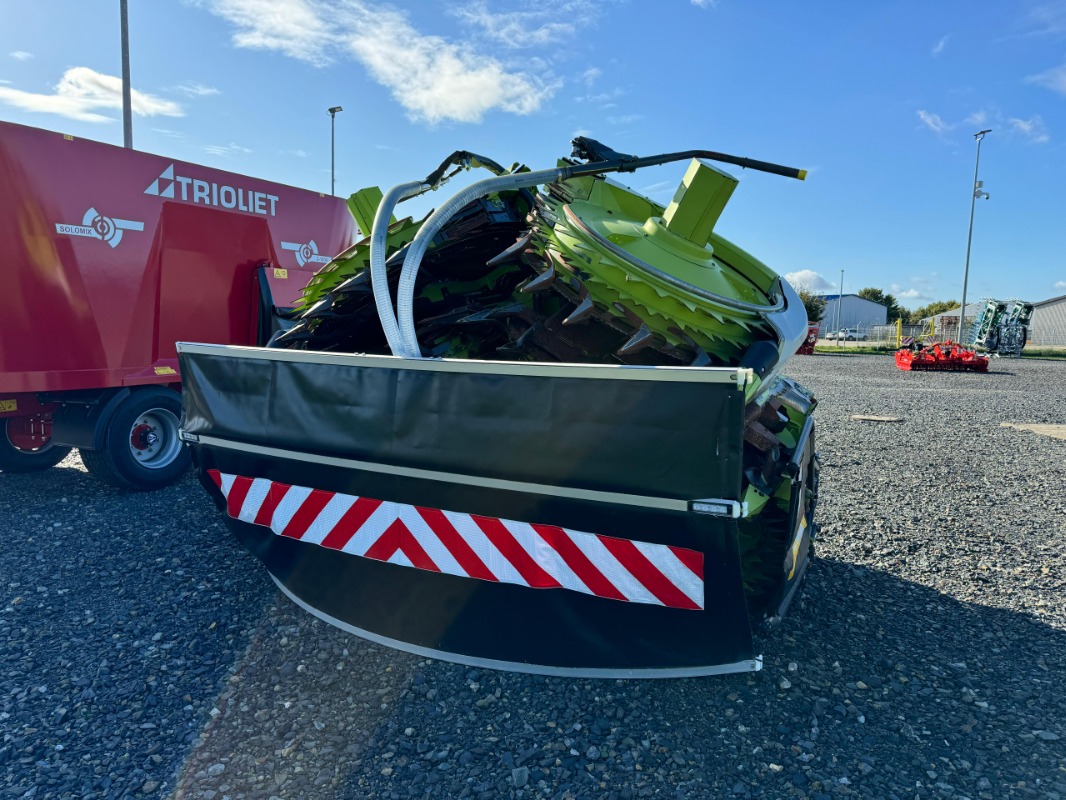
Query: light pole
{"x":840,"y":300}
{"x":978,"y":191}
{"x":127,"y":106}
{"x":332,"y":144}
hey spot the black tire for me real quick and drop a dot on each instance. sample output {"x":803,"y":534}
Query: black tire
{"x":141,"y":449}
{"x":15,"y":459}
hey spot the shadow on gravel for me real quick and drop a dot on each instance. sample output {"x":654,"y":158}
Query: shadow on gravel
{"x":874,"y":687}
{"x":143,"y":653}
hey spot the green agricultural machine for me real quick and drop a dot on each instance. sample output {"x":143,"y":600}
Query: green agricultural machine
{"x":544,"y":429}
{"x":1002,"y":327}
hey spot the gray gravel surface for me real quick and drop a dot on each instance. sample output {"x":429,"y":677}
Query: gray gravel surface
{"x":143,"y":653}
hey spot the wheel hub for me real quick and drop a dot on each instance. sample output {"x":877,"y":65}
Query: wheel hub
{"x":153,"y":438}
{"x":143,"y":437}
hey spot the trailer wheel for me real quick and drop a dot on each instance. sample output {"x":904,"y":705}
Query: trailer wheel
{"x":141,"y":446}
{"x":22,"y":448}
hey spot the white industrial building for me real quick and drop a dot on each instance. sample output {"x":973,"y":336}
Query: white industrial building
{"x":946,"y":325}
{"x":854,"y":312}
{"x":1048,"y":326}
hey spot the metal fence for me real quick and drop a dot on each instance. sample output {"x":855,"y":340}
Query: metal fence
{"x":1046,"y":336}
{"x":879,"y":335}
{"x":889,"y":336}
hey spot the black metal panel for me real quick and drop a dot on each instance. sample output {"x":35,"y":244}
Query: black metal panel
{"x":649,"y":438}
{"x":669,"y":439}
{"x":497,"y":621}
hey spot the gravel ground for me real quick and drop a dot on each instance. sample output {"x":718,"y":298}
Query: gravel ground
{"x":143,"y":653}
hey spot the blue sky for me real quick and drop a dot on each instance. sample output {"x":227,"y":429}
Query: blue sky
{"x":878,"y":100}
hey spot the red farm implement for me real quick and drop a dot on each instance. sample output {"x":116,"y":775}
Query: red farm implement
{"x":943,"y":356}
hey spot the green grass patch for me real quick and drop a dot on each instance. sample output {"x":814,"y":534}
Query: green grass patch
{"x":852,"y":350}
{"x":1044,"y":352}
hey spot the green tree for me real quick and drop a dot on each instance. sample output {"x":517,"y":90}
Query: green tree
{"x":814,"y":303}
{"x":931,"y":310}
{"x":895,"y":310}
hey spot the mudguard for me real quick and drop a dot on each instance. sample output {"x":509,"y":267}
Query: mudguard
{"x":549,"y":518}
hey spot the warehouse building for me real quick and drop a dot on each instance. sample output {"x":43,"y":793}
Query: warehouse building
{"x":1048,"y":326}
{"x":855,"y":312}
{"x":946,"y":325}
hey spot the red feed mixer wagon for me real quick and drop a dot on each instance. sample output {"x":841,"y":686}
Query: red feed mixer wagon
{"x":109,"y":257}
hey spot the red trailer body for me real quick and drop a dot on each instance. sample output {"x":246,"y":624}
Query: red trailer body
{"x":108,"y":257}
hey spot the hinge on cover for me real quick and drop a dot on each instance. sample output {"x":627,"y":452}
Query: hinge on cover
{"x":732,"y":509}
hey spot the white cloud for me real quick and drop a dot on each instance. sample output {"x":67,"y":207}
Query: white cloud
{"x":934,"y":123}
{"x":297,"y":28}
{"x":226,"y":149}
{"x":83,"y":92}
{"x":6,"y":83}
{"x":590,"y":75}
{"x":662,"y":190}
{"x":1032,"y":129}
{"x":1060,"y":284}
{"x":1048,"y":19}
{"x":624,"y":119}
{"x":20,"y":55}
{"x":433,"y":78}
{"x":197,"y":89}
{"x":602,"y":99}
{"x":911,"y":294}
{"x":297,"y":153}
{"x":548,"y":22}
{"x":808,"y":279}
{"x":436,"y":80}
{"x":170,"y":133}
{"x":705,"y":3}
{"x":1053,"y":79}
{"x":938,"y":48}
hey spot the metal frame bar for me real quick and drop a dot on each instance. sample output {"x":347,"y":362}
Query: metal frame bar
{"x":592,"y":495}
{"x":737,"y":376}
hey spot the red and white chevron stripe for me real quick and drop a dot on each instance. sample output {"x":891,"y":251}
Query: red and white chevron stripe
{"x":469,"y":545}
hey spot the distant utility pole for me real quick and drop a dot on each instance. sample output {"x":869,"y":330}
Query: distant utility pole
{"x":127,"y":101}
{"x":840,"y":299}
{"x":978,"y":191}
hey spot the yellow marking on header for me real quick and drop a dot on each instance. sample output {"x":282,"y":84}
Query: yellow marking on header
{"x":9,"y":405}
{"x":802,"y":175}
{"x":68,"y":137}
{"x":796,"y":546}
{"x":165,"y":371}
{"x":280,"y":273}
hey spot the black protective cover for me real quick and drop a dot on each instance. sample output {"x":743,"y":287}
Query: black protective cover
{"x":570,"y":429}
